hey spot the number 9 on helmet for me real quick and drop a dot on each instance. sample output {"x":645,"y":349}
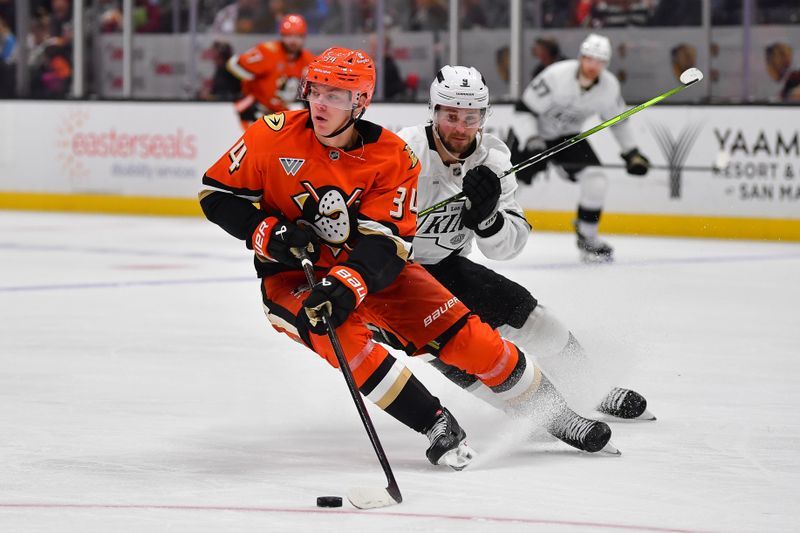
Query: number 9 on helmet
{"x":461,"y":87}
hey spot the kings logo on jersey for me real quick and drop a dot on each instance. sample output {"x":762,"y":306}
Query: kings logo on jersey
{"x":444,"y":226}
{"x":331,"y":212}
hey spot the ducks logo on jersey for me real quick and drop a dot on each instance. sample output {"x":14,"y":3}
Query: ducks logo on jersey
{"x":328,"y":211}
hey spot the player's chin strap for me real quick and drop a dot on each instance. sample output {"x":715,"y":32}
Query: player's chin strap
{"x":350,"y":122}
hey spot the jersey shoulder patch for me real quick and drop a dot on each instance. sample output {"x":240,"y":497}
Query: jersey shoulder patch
{"x":275,"y":121}
{"x":412,"y":156}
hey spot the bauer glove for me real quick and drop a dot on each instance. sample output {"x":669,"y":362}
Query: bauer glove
{"x":635,"y":163}
{"x":277,"y":241}
{"x":338,"y":294}
{"x":482,"y":188}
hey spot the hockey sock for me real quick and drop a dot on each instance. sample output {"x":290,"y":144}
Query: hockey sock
{"x":393,"y":388}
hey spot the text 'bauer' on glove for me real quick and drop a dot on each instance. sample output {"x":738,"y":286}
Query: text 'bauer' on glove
{"x":338,"y":293}
{"x":279,"y":241}
{"x":635,"y":163}
{"x":482,"y":189}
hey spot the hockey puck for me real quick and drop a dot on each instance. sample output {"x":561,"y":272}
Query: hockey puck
{"x":329,"y":501}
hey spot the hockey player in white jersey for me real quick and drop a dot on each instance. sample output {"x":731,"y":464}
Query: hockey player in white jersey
{"x":553,"y":108}
{"x":456,"y":155}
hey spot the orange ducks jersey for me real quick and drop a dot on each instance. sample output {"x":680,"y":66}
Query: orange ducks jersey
{"x":269,"y":75}
{"x":345,"y":196}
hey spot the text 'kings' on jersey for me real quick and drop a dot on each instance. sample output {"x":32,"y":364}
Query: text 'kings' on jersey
{"x":442,"y":233}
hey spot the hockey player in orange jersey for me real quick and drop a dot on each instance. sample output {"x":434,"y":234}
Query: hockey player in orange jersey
{"x":344,"y":190}
{"x":271,"y":71}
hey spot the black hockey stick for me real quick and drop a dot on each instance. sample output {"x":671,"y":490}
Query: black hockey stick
{"x":689,"y":77}
{"x":363,"y":498}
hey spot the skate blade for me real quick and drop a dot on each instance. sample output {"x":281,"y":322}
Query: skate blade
{"x":647,"y":416}
{"x":594,"y":259}
{"x":610,"y":449}
{"x":458,"y":458}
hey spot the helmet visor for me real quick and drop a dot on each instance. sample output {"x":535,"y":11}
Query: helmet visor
{"x":327,"y":95}
{"x":455,"y":117}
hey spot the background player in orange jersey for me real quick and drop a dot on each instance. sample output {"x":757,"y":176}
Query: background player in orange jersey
{"x":344,"y":190}
{"x":271,"y":71}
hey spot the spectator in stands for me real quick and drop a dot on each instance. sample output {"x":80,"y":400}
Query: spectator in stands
{"x":683,"y":56}
{"x":315,"y":12}
{"x":779,"y":67}
{"x":61,"y":20}
{"x":473,"y":15}
{"x":546,"y":51}
{"x":108,"y":15}
{"x":270,"y":21}
{"x":147,"y":16}
{"x":583,"y":13}
{"x":677,"y":13}
{"x":238,"y":17}
{"x":8,"y":14}
{"x":502,"y":60}
{"x":8,"y":45}
{"x":394,"y":88}
{"x":223,"y":85}
{"x":429,"y":15}
{"x":52,"y":77}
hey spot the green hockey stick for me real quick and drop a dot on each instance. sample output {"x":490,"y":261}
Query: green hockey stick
{"x":689,"y":77}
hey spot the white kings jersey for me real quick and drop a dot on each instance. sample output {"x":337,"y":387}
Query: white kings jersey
{"x":559,"y":106}
{"x":441,"y":233}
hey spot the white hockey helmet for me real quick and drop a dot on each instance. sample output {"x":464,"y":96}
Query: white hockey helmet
{"x":458,"y":86}
{"x":597,"y":46}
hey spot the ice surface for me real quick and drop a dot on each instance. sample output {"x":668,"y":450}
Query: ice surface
{"x":141,"y":390}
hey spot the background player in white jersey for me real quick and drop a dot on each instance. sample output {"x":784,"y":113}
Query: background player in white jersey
{"x":455,"y":155}
{"x":553,"y":108}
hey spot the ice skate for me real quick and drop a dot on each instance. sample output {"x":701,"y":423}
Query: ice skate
{"x":448,"y":442}
{"x":594,"y":250}
{"x":582,"y":433}
{"x":625,"y":403}
{"x":546,"y":405}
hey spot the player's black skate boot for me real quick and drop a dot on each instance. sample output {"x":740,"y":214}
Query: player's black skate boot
{"x":593,"y":249}
{"x":448,"y":442}
{"x":568,"y":426}
{"x":582,"y":433}
{"x":625,"y":403}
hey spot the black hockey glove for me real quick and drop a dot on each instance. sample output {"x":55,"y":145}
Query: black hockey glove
{"x":482,"y":188}
{"x":339,"y":293}
{"x":280,"y":241}
{"x":533,"y":146}
{"x":635,"y":163}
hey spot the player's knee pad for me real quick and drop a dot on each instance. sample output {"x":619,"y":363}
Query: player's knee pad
{"x":593,"y":186}
{"x":478,"y":349}
{"x":542,"y":335}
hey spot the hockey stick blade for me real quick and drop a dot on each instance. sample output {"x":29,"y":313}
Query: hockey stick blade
{"x":372,"y":498}
{"x":688,"y":77}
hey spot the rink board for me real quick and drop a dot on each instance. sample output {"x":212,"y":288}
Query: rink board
{"x":148,"y":158}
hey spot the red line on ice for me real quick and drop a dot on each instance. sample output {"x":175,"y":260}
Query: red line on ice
{"x":500,"y":519}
